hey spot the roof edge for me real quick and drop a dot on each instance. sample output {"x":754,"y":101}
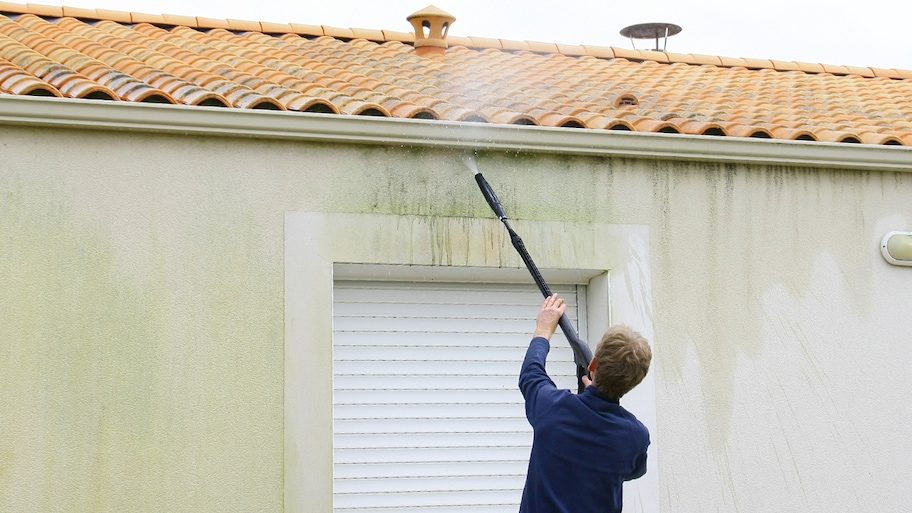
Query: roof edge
{"x":213,"y":121}
{"x":382,"y":36}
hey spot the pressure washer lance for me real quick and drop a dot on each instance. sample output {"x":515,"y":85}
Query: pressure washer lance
{"x":582,"y":355}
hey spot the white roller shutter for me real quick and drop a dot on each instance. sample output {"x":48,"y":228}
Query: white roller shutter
{"x":427,"y":414}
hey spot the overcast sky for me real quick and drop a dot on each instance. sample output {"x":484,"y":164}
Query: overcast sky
{"x":873,"y":33}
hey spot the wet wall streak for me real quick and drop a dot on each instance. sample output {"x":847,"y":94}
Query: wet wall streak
{"x":723,"y":235}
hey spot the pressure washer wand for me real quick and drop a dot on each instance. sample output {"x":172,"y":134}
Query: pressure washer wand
{"x":581,"y":353}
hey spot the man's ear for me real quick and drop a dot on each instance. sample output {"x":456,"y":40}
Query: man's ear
{"x":592,"y":366}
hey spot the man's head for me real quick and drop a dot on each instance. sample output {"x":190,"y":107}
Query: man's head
{"x":621,"y":361}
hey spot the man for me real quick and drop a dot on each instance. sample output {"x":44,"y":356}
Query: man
{"x":585,"y":446}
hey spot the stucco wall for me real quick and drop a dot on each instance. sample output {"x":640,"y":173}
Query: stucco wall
{"x":142,"y":315}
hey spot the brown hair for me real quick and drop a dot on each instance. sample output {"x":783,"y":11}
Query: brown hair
{"x":621,"y":361}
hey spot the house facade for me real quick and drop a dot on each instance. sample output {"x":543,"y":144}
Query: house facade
{"x":252,"y":307}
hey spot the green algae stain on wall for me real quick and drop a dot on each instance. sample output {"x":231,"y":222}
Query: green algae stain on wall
{"x":140,"y":341}
{"x":80,"y":358}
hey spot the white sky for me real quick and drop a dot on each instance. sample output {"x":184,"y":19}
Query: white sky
{"x":873,"y":33}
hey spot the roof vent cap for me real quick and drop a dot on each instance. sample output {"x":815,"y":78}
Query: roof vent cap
{"x":431,"y":27}
{"x":651,"y":31}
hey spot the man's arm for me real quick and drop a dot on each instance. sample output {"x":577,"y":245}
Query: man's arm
{"x":532,"y":376}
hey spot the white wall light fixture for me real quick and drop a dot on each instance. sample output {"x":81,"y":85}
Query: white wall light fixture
{"x":897,"y":248}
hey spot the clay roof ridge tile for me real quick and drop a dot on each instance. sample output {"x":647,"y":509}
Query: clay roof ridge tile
{"x":599,"y":52}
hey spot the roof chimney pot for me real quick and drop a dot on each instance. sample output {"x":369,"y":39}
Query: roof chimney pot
{"x":431,"y":27}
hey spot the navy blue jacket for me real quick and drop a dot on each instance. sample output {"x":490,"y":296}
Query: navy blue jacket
{"x":584,"y":448}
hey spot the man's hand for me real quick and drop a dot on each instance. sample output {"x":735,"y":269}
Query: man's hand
{"x":548,"y":317}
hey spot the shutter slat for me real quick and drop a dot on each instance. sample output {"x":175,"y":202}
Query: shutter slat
{"x":430,"y":499}
{"x":380,"y":397}
{"x":427,"y":411}
{"x":415,"y":470}
{"x":472,"y":484}
{"x":430,"y":325}
{"x":477,"y":455}
{"x":509,"y":355}
{"x":448,"y":339}
{"x":382,"y":426}
{"x":427,"y":440}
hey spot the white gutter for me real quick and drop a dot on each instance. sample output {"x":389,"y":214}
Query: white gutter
{"x":334,"y":128}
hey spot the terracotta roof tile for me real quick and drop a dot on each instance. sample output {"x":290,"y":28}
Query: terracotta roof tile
{"x":338,"y":32}
{"x":600,"y":121}
{"x":516,"y":46}
{"x":211,"y":23}
{"x":706,"y":59}
{"x":42,"y":10}
{"x":540,"y":47}
{"x":836,"y":70}
{"x":880,"y":138}
{"x":886,"y":73}
{"x":188,"y":21}
{"x":244,"y":26}
{"x":785,"y":65}
{"x":857,"y":70}
{"x":484,"y":42}
{"x":139,"y":17}
{"x":623,"y":53}
{"x":118,"y":16}
{"x":13,"y":80}
{"x":732,"y":62}
{"x":601,"y":52}
{"x":700,"y":127}
{"x":78,"y":12}
{"x":405,"y":37}
{"x":572,"y":50}
{"x":810,"y":67}
{"x":681,"y":58}
{"x":758,"y":63}
{"x":309,"y":68}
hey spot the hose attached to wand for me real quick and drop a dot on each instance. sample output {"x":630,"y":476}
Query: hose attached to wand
{"x":581,"y":353}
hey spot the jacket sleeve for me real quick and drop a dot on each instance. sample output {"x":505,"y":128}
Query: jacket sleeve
{"x":534,"y":383}
{"x":639,"y":468}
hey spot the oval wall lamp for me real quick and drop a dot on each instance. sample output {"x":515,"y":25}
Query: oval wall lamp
{"x":897,"y":248}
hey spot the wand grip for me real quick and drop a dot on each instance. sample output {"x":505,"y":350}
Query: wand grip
{"x":489,"y":196}
{"x":582,"y":355}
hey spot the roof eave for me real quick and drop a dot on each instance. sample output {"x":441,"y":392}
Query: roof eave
{"x":214,"y":121}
